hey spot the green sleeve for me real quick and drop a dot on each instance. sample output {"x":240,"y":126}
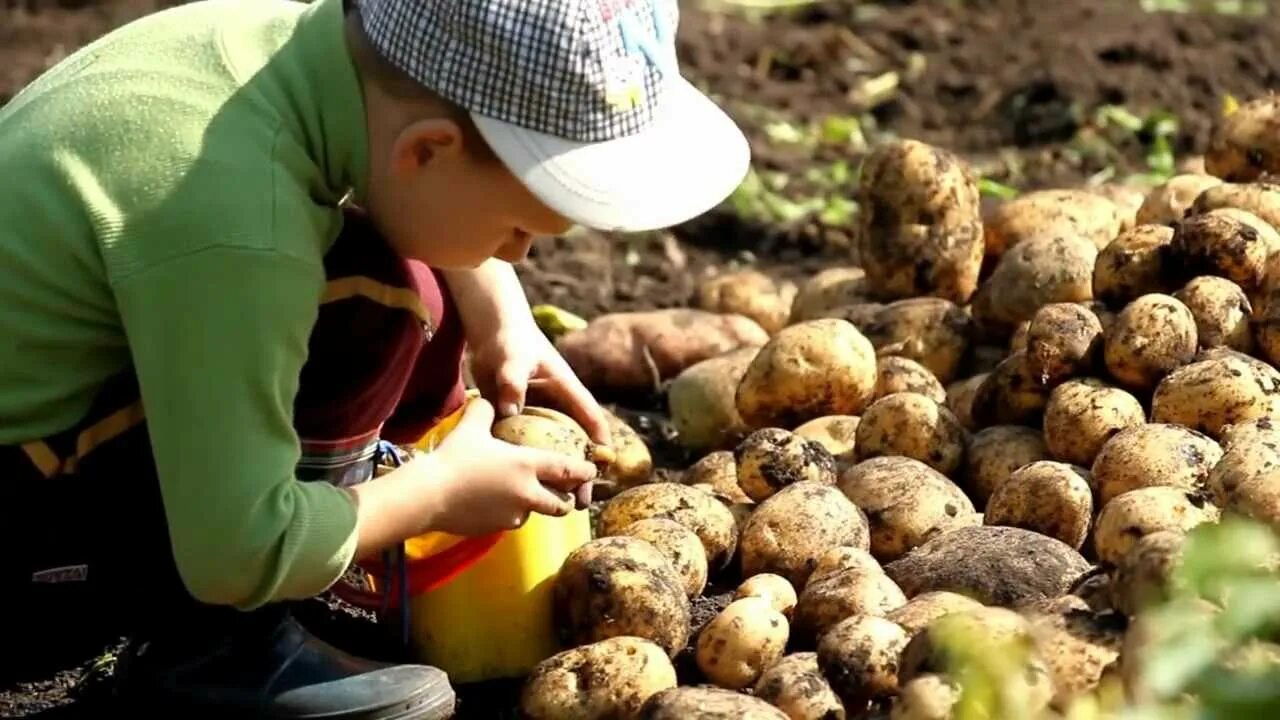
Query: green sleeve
{"x":218,"y":339}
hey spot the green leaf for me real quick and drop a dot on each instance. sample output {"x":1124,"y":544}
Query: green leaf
{"x":989,"y":187}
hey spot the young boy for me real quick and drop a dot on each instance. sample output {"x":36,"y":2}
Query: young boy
{"x":242,"y":241}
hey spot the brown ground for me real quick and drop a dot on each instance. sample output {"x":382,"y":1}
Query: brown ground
{"x":1013,"y":85}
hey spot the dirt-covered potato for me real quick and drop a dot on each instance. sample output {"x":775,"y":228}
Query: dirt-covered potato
{"x":926,"y":697}
{"x":635,"y":351}
{"x":1207,"y":396}
{"x":749,"y":293}
{"x":1051,"y":498}
{"x":699,"y":511}
{"x":927,"y":607}
{"x":789,"y":532}
{"x":608,"y":679}
{"x":1010,"y":395}
{"x":995,"y":452}
{"x":993,"y":565}
{"x":807,"y":370}
{"x":828,"y":289}
{"x":740,"y":642}
{"x":1152,"y":336}
{"x":1222,"y":311}
{"x":845,"y":558}
{"x":834,"y":596}
{"x":632,"y":462}
{"x":912,"y":425}
{"x":906,"y":501}
{"x":837,"y":433}
{"x":859,"y":656}
{"x":919,"y":222}
{"x":717,"y":472}
{"x":1077,"y":644}
{"x":1260,"y":199}
{"x":899,"y":374}
{"x":960,"y":396}
{"x":1145,"y":573}
{"x":1153,"y":454}
{"x":1053,"y":213}
{"x":616,"y":586}
{"x":774,"y":588}
{"x":1128,"y":517}
{"x":770,"y":459}
{"x":1064,"y":340}
{"x":1220,"y":244}
{"x":1170,"y":202}
{"x":932,"y":331}
{"x":702,"y":401}
{"x":707,"y":703}
{"x":679,"y":545}
{"x":1257,"y":499}
{"x":1035,"y":273}
{"x":1133,"y":265}
{"x":795,"y":685}
{"x":1266,"y":428}
{"x":1083,"y":414}
{"x":545,"y":429}
{"x":1244,"y":145}
{"x":1246,"y":459}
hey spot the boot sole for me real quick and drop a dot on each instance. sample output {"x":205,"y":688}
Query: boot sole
{"x":433,"y":704}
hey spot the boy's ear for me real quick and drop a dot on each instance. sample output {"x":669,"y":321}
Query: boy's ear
{"x":422,"y":141}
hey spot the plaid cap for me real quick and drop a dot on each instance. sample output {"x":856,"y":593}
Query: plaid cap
{"x":583,"y":70}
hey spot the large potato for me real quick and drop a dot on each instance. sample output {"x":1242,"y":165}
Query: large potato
{"x":698,"y":511}
{"x":1083,"y":414}
{"x":912,"y":425}
{"x":828,"y":289}
{"x":772,"y":458}
{"x":1170,"y":202}
{"x":1153,"y":454}
{"x":899,"y":374}
{"x":1053,"y":213}
{"x":924,"y":608}
{"x":1063,"y":340}
{"x":1134,"y":265}
{"x":1257,"y":499}
{"x":1152,"y":336}
{"x":845,"y":558}
{"x":740,"y":642}
{"x":932,"y":331}
{"x":814,"y":368}
{"x":837,"y":433}
{"x":1260,"y":199}
{"x":1077,"y":644}
{"x":1128,"y":517}
{"x":749,"y":293}
{"x":993,"y":565}
{"x":960,"y":397}
{"x":617,"y":586}
{"x":679,"y":545}
{"x":606,"y":680}
{"x":1145,"y":574}
{"x":717,"y":473}
{"x":1244,"y":145}
{"x":1222,"y":311}
{"x":1242,"y":462}
{"x":1051,"y":498}
{"x":1223,"y":245}
{"x":636,"y":351}
{"x":789,"y":532}
{"x":707,"y":703}
{"x":1209,"y":395}
{"x":919,"y":222}
{"x":795,"y":685}
{"x":837,"y":595}
{"x":1265,"y":429}
{"x":906,"y":501}
{"x":859,"y":656}
{"x":995,"y":453}
{"x":703,"y":405}
{"x":632,"y":462}
{"x":1035,"y":273}
{"x":1010,"y":395}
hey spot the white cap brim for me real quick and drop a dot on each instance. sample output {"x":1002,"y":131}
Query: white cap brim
{"x":687,"y":161}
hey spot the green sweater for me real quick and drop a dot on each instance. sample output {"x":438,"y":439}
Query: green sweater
{"x":172,"y":189}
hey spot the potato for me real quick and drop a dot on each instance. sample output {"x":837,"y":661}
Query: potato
{"x":772,"y":458}
{"x":635,"y":351}
{"x":926,"y":697}
{"x":993,"y":565}
{"x":1220,"y":244}
{"x":912,"y":425}
{"x":1063,"y":340}
{"x":616,"y":586}
{"x":899,"y":374}
{"x":1134,"y":265}
{"x":1035,"y":273}
{"x":1222,"y":312}
{"x":545,"y":429}
{"x":960,"y":396}
{"x":789,"y":532}
{"x":749,"y":293}
{"x":736,"y":646}
{"x":1053,"y":213}
{"x":795,"y":685}
{"x":1265,"y":428}
{"x":1152,"y":336}
{"x":707,"y":703}
{"x":1083,"y":414}
{"x":828,"y":289}
{"x":774,"y":588}
{"x":698,"y":511}
{"x":840,"y":594}
{"x":844,"y":558}
{"x":1243,"y":461}
{"x":608,"y":679}
{"x":995,"y":453}
{"x":1243,"y":145}
{"x":702,"y":401}
{"x":1154,"y":454}
{"x":906,"y":501}
{"x":1128,"y":517}
{"x":1077,"y":645}
{"x":1209,"y":395}
{"x":1267,"y":327}
{"x":1126,"y":197}
{"x":1051,"y":498}
{"x":1145,"y":573}
{"x":932,"y":331}
{"x":860,"y":315}
{"x":1018,"y":341}
{"x":717,"y":472}
{"x":924,"y":608}
{"x":814,"y":368}
{"x":1257,"y":499}
{"x":1260,"y":199}
{"x":679,"y":545}
{"x":919,"y":223}
{"x":632,"y":462}
{"x":859,"y":657}
{"x":1170,"y":202}
{"x":1010,"y":395}
{"x":837,"y":433}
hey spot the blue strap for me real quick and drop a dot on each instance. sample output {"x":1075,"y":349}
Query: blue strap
{"x":395,"y":560}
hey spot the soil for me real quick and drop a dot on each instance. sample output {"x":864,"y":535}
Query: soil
{"x":1012,"y":85}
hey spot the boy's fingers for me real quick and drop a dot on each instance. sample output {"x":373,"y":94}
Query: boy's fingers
{"x":546,"y":501}
{"x":479,"y":412}
{"x":562,"y":472}
{"x":513,"y":383}
{"x":567,"y":390}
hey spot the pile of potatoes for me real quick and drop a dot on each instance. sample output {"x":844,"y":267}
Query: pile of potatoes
{"x":1004,"y":420}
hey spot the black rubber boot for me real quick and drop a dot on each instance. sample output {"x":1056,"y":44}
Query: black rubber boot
{"x":266,"y":665}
